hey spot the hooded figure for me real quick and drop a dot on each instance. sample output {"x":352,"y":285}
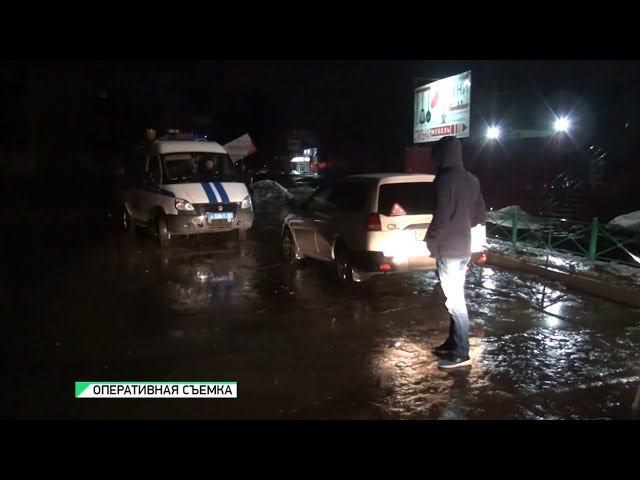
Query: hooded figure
{"x":459,"y":203}
{"x":459,"y":207}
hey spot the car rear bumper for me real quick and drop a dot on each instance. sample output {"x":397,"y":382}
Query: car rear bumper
{"x":370,"y":262}
{"x":195,"y":225}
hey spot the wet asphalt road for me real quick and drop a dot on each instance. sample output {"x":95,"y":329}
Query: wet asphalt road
{"x":299,"y":345}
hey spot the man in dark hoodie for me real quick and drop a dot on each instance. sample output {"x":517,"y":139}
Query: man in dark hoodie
{"x":459,"y":207}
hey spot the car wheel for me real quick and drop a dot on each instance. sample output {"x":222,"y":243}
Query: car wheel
{"x":289,"y":248}
{"x":164,"y":235}
{"x":128,"y":225}
{"x":343,"y":264}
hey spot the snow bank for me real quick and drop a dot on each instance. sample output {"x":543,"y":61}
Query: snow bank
{"x":614,"y":273}
{"x":628,"y":221}
{"x":269,"y":194}
{"x":302,"y":191}
{"x":504,"y":217}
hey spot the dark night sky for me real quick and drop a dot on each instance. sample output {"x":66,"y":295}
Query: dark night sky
{"x":351,"y":105}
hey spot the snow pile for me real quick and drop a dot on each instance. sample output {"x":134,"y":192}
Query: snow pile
{"x":614,"y":273}
{"x":509,"y":211}
{"x":302,"y":191}
{"x":628,"y":221}
{"x":269,"y":194}
{"x":504,"y":218}
{"x":623,"y":271}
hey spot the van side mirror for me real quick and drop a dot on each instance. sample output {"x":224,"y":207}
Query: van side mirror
{"x":149,"y":178}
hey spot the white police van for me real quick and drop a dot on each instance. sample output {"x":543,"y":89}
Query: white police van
{"x":188,"y":187}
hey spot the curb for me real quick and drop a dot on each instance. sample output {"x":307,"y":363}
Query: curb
{"x":615,"y":293}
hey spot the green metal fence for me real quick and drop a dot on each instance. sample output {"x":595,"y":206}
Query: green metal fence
{"x":592,"y":240}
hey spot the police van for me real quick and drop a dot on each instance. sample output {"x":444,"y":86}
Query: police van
{"x":187,"y":187}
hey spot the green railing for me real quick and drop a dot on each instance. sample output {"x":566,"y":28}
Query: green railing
{"x":592,"y":240}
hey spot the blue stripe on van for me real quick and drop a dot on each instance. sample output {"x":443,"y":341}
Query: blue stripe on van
{"x":215,"y":192}
{"x":208,"y":190}
{"x":223,"y":194}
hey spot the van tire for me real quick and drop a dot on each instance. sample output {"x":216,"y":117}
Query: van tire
{"x":164,"y":235}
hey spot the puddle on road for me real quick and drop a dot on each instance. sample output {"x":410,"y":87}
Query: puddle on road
{"x":539,"y":351}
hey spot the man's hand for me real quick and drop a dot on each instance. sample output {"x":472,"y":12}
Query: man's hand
{"x":478,"y":259}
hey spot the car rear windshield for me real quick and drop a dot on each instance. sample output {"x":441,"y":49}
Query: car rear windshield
{"x":416,"y":198}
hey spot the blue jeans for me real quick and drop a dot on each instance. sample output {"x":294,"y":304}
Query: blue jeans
{"x":452,"y":273}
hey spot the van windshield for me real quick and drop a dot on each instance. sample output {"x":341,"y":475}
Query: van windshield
{"x":198,"y":167}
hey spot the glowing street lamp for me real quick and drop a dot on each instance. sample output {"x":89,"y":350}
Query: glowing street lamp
{"x":493,"y":133}
{"x":562,"y":124}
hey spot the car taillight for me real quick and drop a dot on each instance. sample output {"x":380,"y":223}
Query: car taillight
{"x":373,"y":223}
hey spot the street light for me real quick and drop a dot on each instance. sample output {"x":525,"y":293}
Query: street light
{"x":493,"y":133}
{"x":561,"y":124}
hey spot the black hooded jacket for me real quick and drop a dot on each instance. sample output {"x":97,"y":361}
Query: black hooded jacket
{"x":459,"y":203}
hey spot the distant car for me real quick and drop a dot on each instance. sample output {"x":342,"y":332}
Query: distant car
{"x":187,"y":187}
{"x":365,"y":224}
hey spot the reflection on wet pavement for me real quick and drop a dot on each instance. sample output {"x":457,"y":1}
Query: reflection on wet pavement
{"x":302,"y":346}
{"x":552,"y":368}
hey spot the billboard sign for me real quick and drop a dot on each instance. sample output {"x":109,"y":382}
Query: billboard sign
{"x":442,"y":108}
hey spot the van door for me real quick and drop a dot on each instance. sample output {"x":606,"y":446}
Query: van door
{"x":406,"y":210}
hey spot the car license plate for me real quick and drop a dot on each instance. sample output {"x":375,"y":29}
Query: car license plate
{"x":420,"y":234}
{"x":228,"y":216}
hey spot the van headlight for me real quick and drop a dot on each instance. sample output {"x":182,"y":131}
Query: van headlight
{"x":183,"y":206}
{"x":246,"y":202}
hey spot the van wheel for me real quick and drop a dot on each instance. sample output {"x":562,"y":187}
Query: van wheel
{"x":164,"y":235}
{"x":343,"y":264}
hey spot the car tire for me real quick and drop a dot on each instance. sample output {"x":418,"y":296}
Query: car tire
{"x":128,"y":225}
{"x":342,"y":264}
{"x":164,"y":235}
{"x":289,"y":248}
